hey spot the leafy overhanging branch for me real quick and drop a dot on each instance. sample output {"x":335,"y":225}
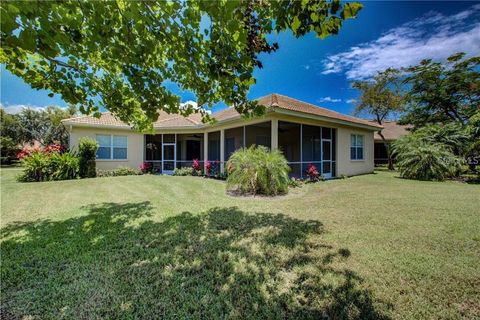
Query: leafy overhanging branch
{"x":119,"y":55}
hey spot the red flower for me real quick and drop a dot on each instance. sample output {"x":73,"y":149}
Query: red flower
{"x":196,"y":165}
{"x":145,"y":167}
{"x":208,"y":166}
{"x":53,"y":148}
{"x":24,"y":153}
{"x":312,"y":172}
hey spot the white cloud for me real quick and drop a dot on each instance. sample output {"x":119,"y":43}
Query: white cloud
{"x":351,"y":101}
{"x":433,"y":35}
{"x":306,"y":66}
{"x":17,"y":108}
{"x":194,"y":104}
{"x":329,"y":99}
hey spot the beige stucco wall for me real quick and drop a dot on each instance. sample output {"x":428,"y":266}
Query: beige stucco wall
{"x":134,"y":146}
{"x":135,"y":152}
{"x":354,"y":167}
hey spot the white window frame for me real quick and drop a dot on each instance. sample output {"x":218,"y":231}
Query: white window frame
{"x":357,"y":146}
{"x":111,"y":147}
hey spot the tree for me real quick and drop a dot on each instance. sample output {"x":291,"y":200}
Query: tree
{"x":10,"y":126}
{"x":381,"y":97}
{"x":443,"y":92}
{"x":44,"y":126}
{"x":122,"y":55}
{"x":32,"y":125}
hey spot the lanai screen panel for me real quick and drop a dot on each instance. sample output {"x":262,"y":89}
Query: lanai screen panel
{"x":189,"y":147}
{"x":233,"y":141}
{"x":289,"y":142}
{"x":153,"y":147}
{"x":214,"y":146}
{"x":259,"y":134}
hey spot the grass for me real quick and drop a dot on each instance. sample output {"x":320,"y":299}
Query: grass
{"x":372,"y":246}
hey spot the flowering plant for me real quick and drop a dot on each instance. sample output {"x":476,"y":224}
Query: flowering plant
{"x":24,"y":153}
{"x":27,"y":151}
{"x":53,"y":148}
{"x":196,"y":165}
{"x":208,"y":167}
{"x":145,"y":167}
{"x":312,"y":172}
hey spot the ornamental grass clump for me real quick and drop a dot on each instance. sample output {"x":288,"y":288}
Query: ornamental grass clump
{"x":257,"y":170}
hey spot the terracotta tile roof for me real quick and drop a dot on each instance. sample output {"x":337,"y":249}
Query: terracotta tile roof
{"x":391,"y":131}
{"x":226,"y":114}
{"x":165,"y":120}
{"x":272,"y":102}
{"x":287,"y":103}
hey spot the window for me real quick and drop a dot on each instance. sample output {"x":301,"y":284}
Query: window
{"x":112,"y":147}
{"x":356,"y":149}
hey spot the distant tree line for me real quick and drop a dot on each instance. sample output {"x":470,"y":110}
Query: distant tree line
{"x":32,"y":126}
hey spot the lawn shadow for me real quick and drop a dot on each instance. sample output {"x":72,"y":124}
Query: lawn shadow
{"x":223,"y":263}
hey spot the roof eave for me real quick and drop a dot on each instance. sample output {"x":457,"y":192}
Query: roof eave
{"x":326,"y":119}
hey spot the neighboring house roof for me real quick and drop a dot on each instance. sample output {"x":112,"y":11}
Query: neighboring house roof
{"x":273,"y":102}
{"x":391,"y":131}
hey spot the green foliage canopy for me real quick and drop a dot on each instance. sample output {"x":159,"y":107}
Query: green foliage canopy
{"x":32,"y":125}
{"x":121,"y":54}
{"x":380,"y":96}
{"x":443,"y":92}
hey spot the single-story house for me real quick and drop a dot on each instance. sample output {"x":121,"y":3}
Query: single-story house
{"x":335,"y":143}
{"x":391,"y":131}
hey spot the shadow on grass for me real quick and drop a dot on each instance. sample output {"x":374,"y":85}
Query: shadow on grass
{"x":223,"y":263}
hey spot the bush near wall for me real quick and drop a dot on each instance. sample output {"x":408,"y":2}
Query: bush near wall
{"x":120,"y":171}
{"x":48,"y":164}
{"x":87,"y":152}
{"x":257,"y":170}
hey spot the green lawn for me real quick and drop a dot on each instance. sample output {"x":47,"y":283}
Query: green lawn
{"x":373,"y":246}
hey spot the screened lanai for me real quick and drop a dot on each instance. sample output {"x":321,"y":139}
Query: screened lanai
{"x":301,"y":144}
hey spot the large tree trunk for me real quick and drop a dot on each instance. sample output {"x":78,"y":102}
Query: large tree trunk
{"x":385,"y":143}
{"x":389,"y":154}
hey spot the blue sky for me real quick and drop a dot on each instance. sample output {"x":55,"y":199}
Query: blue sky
{"x":318,"y":71}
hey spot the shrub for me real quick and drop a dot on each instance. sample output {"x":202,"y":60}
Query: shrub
{"x":120,"y":171}
{"x":196,"y":165}
{"x":183,"y":171}
{"x":312,"y":172}
{"x":451,"y":135}
{"x":36,"y":167}
{"x":8,"y":150}
{"x":45,"y":166}
{"x":257,"y":170}
{"x":64,"y":166}
{"x":53,"y":148}
{"x":146,"y":167}
{"x":295,"y":183}
{"x":126,"y":171}
{"x":431,"y":153}
{"x":208,"y":167}
{"x":212,"y":169}
{"x":423,"y":161}
{"x":87,"y":152}
{"x":196,"y":168}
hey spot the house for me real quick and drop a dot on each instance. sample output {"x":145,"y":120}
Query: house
{"x":391,"y":131}
{"x":307,"y":134}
